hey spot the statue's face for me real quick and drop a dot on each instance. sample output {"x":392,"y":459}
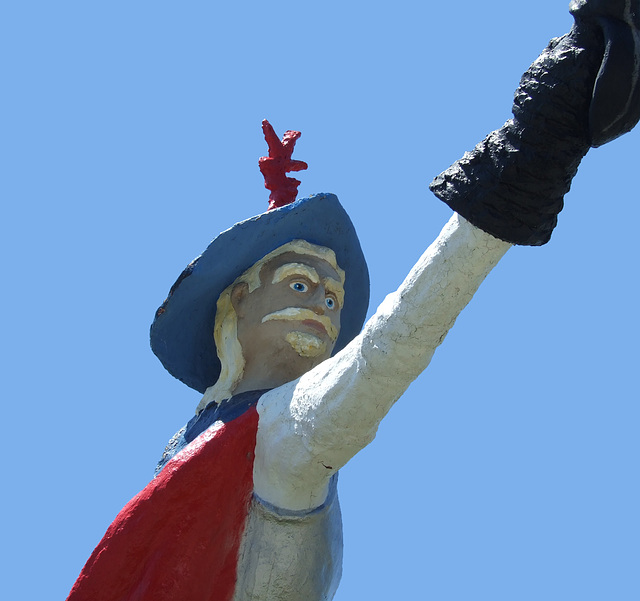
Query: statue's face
{"x":291,"y":322}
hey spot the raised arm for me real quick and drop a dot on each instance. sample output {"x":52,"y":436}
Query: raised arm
{"x":583,"y":91}
{"x":311,"y":427}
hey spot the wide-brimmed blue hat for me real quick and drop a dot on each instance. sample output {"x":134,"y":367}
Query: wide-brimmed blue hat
{"x":182,"y":331}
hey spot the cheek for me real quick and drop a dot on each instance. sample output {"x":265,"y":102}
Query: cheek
{"x":280,"y":297}
{"x":263,"y":304}
{"x":335,"y":320}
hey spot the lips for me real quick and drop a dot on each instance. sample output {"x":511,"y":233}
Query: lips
{"x":316,"y":325}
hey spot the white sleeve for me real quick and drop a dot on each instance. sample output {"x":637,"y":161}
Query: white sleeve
{"x":311,"y":427}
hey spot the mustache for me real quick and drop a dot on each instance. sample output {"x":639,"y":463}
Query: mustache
{"x":299,"y":314}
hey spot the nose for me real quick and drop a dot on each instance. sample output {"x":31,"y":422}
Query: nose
{"x":316,"y":301}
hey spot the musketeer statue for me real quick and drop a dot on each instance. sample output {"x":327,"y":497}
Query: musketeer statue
{"x":268,"y":324}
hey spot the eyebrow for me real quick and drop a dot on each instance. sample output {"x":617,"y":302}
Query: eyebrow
{"x":336,"y":288}
{"x":288,"y":269}
{"x":331,"y":284}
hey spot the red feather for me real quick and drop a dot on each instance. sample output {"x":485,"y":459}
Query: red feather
{"x":275,"y":167}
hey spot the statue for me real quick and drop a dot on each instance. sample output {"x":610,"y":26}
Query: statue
{"x":268,"y":324}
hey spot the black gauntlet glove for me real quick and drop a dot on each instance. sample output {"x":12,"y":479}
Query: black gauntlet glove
{"x":582,"y":91}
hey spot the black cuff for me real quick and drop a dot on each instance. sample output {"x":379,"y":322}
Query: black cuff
{"x":513,"y":183}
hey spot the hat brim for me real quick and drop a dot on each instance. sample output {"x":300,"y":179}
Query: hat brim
{"x":182,"y":331}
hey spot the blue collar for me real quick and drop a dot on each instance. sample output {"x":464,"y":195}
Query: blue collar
{"x":225,"y":412}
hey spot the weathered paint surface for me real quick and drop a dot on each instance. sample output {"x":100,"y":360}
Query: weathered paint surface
{"x":311,"y":427}
{"x":179,"y":538}
{"x":291,"y":555}
{"x":181,"y":332}
{"x":275,"y":167}
{"x":582,"y":91}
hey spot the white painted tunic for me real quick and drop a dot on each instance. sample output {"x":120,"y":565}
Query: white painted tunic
{"x":309,"y":428}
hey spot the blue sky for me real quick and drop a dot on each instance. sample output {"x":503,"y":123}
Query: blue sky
{"x":130,"y":138}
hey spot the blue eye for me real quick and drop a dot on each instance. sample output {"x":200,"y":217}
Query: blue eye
{"x":299,"y":286}
{"x":331,"y":304}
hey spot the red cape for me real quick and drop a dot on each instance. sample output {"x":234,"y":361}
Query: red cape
{"x":179,"y":538}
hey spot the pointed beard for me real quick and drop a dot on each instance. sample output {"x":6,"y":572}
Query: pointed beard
{"x":306,"y":345}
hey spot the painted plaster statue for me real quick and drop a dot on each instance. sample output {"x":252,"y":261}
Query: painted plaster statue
{"x":268,"y":324}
